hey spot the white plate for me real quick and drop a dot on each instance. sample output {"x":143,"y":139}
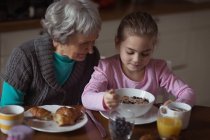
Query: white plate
{"x":52,"y":126}
{"x":149,"y":117}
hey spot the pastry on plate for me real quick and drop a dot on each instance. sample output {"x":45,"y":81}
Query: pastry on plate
{"x":66,"y":116}
{"x":40,"y":113}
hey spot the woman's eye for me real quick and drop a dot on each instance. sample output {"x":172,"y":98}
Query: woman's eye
{"x":87,"y":44}
{"x":84,"y":44}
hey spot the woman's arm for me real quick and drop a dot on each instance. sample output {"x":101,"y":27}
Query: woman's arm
{"x":11,"y":96}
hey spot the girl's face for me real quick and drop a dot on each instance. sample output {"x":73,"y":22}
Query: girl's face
{"x":78,"y":46}
{"x":135,"y":52}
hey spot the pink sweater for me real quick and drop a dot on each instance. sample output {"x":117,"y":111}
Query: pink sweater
{"x":109,"y":75}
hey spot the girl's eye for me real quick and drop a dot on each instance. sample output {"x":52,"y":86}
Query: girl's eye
{"x":130,"y":53}
{"x":145,"y":54}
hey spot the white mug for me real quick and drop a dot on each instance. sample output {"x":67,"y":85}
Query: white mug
{"x":10,"y":116}
{"x":182,"y":110}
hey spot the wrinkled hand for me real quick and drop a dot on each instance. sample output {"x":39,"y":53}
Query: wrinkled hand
{"x":111,"y":99}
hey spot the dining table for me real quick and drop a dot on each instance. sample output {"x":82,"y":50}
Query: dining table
{"x":198,"y":128}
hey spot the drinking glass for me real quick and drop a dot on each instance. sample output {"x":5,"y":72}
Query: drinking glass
{"x":169,"y":126}
{"x":121,"y":124}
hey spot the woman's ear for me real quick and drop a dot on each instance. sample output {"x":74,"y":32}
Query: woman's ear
{"x":55,"y":44}
{"x":59,"y":48}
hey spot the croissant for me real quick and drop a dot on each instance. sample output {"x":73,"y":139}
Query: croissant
{"x":66,"y":116}
{"x":41,"y":113}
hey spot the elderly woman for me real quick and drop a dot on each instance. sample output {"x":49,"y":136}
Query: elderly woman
{"x":54,"y":68}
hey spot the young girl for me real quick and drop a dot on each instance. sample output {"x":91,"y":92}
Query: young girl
{"x":133,"y":67}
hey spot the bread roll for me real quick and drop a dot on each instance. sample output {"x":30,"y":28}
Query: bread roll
{"x":66,"y":116}
{"x":41,"y":113}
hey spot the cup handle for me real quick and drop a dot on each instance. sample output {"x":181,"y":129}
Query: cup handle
{"x":163,"y":110}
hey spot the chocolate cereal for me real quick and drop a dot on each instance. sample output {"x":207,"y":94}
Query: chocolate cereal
{"x":133,"y":100}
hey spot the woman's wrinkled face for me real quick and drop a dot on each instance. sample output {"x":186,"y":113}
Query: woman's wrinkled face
{"x":77,"y":47}
{"x":135,"y":52}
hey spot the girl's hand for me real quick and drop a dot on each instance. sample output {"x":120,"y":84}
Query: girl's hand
{"x":111,"y":99}
{"x":167,"y":102}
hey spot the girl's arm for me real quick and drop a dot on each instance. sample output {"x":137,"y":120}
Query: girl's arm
{"x":92,"y":96}
{"x":173,"y":84}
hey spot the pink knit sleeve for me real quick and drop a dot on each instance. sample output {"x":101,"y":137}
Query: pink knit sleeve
{"x":173,"y":84}
{"x":92,"y":97}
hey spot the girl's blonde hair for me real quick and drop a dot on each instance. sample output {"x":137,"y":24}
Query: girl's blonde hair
{"x":137,"y":23}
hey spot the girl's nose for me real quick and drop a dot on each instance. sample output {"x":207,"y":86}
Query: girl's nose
{"x":136,"y":58}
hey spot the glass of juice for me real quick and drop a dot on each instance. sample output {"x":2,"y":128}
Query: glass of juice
{"x":169,"y":126}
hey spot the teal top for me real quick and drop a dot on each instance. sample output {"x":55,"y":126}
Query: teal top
{"x":63,"y":68}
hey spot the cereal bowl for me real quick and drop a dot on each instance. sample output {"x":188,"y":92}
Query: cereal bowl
{"x":136,"y":100}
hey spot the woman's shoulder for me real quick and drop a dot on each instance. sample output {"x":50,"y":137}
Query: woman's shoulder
{"x":28,"y":49}
{"x":37,"y":41}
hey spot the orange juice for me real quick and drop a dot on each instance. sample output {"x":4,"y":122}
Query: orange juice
{"x":168,"y":127}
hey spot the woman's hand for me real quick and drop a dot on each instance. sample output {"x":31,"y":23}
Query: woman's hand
{"x":111,"y":100}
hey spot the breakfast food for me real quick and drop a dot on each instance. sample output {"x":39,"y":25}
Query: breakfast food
{"x":133,"y":100}
{"x":62,"y":116}
{"x":66,"y":116}
{"x":120,"y":128}
{"x":40,"y":113}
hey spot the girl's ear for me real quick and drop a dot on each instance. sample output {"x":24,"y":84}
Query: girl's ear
{"x":155,"y":42}
{"x":117,"y":43}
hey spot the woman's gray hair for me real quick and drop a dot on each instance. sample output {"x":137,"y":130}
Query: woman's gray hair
{"x":64,"y":18}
